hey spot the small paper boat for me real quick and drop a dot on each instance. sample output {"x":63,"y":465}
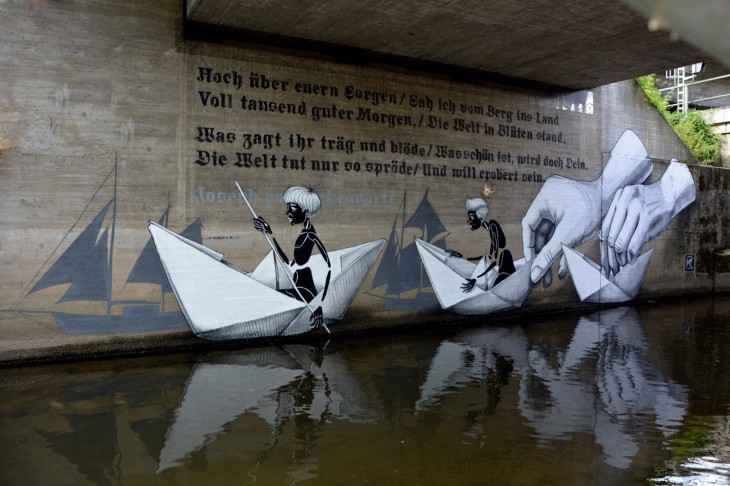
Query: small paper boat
{"x":592,"y":286}
{"x":448,"y":274}
{"x":221,"y":301}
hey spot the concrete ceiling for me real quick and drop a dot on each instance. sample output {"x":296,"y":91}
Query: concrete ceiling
{"x":542,"y":44}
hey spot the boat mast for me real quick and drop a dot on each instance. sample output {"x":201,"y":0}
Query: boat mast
{"x":402,"y":235}
{"x":111,"y":246}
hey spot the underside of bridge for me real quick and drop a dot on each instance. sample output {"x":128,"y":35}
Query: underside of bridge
{"x":539,"y":44}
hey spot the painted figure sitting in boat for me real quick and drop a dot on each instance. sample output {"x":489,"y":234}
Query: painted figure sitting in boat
{"x":495,"y":283}
{"x":498,"y":256}
{"x":302,"y":205}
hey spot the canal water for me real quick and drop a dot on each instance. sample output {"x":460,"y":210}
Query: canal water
{"x":627,"y":395}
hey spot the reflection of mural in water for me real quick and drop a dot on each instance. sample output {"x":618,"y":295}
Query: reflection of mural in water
{"x":279,"y":413}
{"x":87,"y":266}
{"x":559,"y":400}
{"x":292,"y":383}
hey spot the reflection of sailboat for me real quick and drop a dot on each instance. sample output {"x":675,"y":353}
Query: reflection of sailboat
{"x":400,"y":273}
{"x":448,"y":274}
{"x":223,"y":302}
{"x":468,"y":357}
{"x":593,"y":286}
{"x":218,"y":392}
{"x":87,"y":265}
{"x":275,"y":384}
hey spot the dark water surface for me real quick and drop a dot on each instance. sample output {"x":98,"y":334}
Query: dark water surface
{"x":629,"y":395}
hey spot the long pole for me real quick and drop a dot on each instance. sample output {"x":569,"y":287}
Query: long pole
{"x":109,"y":280}
{"x":276,"y":253}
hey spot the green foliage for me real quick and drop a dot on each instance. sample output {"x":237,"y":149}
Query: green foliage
{"x":691,"y":128}
{"x":648,"y":85}
{"x":697,"y":135}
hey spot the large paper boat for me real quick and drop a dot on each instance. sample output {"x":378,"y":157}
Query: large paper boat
{"x":448,"y":274}
{"x":221,"y":301}
{"x":592,"y":286}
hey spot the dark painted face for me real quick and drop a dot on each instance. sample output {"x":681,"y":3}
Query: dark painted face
{"x":295,"y":214}
{"x":474,"y":221}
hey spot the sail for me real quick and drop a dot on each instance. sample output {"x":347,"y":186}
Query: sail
{"x":426,"y":219}
{"x":388,"y":268}
{"x":84,"y":264}
{"x":441,"y":242}
{"x":409,"y":273}
{"x":95,"y":270}
{"x":401,"y":267}
{"x":148,"y":267}
{"x":193,"y":232}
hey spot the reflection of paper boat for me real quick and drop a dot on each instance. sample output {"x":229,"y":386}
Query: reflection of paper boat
{"x":218,"y":393}
{"x":448,"y":274}
{"x":469,"y":357}
{"x":593,"y":286}
{"x":223,"y":302}
{"x":264,"y":382}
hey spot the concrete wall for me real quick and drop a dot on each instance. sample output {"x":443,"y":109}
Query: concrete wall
{"x":102,"y":102}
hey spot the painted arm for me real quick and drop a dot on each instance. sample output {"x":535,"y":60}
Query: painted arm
{"x":568,"y":212}
{"x":470,"y":282}
{"x":457,"y":254}
{"x":261,"y":225}
{"x":640,"y":213}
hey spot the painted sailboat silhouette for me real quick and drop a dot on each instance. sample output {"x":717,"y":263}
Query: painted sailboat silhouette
{"x":401,"y":279}
{"x":87,"y":265}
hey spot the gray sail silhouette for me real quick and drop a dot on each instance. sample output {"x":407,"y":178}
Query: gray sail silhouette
{"x":400,"y":270}
{"x":87,"y":265}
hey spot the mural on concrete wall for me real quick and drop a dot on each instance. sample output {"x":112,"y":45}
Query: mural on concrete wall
{"x":626,"y":213}
{"x":280,"y":297}
{"x":564,"y":214}
{"x":87,"y":265}
{"x":314,"y":288}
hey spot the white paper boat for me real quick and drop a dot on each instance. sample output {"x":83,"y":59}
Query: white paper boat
{"x":592,"y":286}
{"x":448,"y":274}
{"x":221,"y":301}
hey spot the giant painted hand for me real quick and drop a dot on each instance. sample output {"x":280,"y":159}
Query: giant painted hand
{"x":640,"y":213}
{"x":564,"y":212}
{"x":568,"y":212}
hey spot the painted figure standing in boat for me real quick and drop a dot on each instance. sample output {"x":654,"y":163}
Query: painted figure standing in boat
{"x":302,"y":205}
{"x":499,"y":257}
